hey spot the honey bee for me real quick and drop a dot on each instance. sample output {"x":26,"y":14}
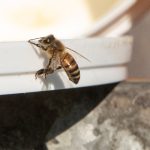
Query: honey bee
{"x":58,"y":58}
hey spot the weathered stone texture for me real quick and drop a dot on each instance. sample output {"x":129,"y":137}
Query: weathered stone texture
{"x":120,"y":122}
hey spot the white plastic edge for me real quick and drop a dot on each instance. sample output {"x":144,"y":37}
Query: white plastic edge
{"x":20,"y":57}
{"x":12,"y":84}
{"x":114,"y":13}
{"x":19,"y":62}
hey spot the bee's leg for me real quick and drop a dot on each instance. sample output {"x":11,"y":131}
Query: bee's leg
{"x":48,"y":71}
{"x":59,"y":67}
{"x":43,"y":72}
{"x":39,"y":73}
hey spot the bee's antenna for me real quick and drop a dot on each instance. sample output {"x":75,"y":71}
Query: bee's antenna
{"x":38,"y":45}
{"x":35,"y":38}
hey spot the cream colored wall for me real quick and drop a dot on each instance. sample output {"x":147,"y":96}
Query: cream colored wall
{"x":99,"y":7}
{"x":140,"y":64}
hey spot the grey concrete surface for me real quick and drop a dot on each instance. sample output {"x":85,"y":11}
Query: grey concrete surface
{"x":28,"y":121}
{"x":120,"y":122}
{"x":92,"y":118}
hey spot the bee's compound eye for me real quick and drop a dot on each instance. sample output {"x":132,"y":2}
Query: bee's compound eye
{"x":51,"y":38}
{"x":43,"y":41}
{"x":40,"y":41}
{"x":48,"y":40}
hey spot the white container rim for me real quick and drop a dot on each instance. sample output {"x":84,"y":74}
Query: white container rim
{"x":19,"y":62}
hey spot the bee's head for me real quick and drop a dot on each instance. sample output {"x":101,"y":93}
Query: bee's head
{"x":47,"y":40}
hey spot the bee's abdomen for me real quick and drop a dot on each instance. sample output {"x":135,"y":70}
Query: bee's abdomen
{"x":70,"y":66}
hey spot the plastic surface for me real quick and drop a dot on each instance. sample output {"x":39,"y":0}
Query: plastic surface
{"x":19,"y":62}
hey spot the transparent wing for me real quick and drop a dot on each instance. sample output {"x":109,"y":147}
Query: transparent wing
{"x":55,"y":61}
{"x":78,"y":54}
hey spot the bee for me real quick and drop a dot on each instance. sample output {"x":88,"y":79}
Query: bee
{"x":58,"y":57}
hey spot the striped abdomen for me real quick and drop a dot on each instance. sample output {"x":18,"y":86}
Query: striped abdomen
{"x":71,"y":67}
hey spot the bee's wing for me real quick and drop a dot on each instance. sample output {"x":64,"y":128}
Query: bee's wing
{"x":55,"y":61}
{"x":78,"y":53}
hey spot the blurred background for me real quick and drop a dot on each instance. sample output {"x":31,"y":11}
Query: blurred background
{"x":25,"y":19}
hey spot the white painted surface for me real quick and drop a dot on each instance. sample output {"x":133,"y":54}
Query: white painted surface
{"x":19,"y":62}
{"x":20,"y":57}
{"x":23,"y":83}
